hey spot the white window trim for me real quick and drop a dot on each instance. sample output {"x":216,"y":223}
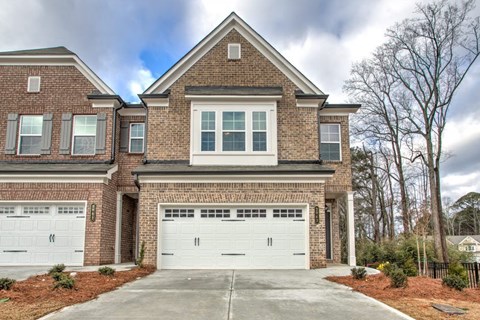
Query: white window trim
{"x":20,"y":134}
{"x":232,"y":45}
{"x":219,"y":157}
{"x":339,"y":139}
{"x":136,"y":138}
{"x":29,"y":89}
{"x":83,"y":135}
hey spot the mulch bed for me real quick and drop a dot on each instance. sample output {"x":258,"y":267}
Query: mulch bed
{"x":416,"y":299}
{"x":35,"y":297}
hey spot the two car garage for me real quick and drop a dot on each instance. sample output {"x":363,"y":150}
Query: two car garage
{"x":253,"y":237}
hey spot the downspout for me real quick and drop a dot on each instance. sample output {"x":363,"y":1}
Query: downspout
{"x":318,"y":129}
{"x":114,"y":132}
{"x":135,"y":180}
{"x":144,"y":160}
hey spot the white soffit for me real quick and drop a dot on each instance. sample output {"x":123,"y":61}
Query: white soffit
{"x":57,"y":60}
{"x":233,"y":21}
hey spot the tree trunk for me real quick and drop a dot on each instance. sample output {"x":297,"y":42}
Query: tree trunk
{"x":437,"y":219}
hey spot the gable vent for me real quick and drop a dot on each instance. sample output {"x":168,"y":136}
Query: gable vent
{"x":234,"y":51}
{"x":33,"y":84}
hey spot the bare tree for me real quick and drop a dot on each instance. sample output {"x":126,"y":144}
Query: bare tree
{"x":409,"y":85}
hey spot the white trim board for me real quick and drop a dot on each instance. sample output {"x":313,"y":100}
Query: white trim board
{"x":233,"y":21}
{"x":264,"y":178}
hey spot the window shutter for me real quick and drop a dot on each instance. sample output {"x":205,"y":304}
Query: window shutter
{"x":33,"y":84}
{"x":47,"y":133}
{"x":66,"y":133}
{"x":11,"y":138}
{"x":100,"y":147}
{"x":124,"y":126}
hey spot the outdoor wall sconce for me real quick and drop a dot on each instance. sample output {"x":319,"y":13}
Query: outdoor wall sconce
{"x":93,"y":212}
{"x":317,"y":215}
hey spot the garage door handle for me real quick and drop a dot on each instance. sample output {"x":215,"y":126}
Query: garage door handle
{"x":53,"y":237}
{"x":195,"y":241}
{"x":233,"y":254}
{"x":14,"y":250}
{"x":198,"y":241}
{"x":50,"y":238}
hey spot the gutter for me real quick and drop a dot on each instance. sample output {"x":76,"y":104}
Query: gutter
{"x":318,"y":130}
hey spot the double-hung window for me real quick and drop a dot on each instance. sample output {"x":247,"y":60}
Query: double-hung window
{"x":233,"y":131}
{"x":208,"y":131}
{"x":84,"y":134}
{"x":30,"y":135}
{"x":259,"y":131}
{"x":137,"y":131}
{"x":330,"y":142}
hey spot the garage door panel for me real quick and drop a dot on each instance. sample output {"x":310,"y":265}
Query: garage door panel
{"x":46,"y":236}
{"x":27,"y":225}
{"x":7,"y":224}
{"x":237,"y":241}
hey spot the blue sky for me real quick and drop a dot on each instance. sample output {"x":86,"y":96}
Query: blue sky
{"x":131,"y":43}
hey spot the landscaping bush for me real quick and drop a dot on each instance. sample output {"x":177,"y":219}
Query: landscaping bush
{"x":106,"y":271}
{"x":409,"y":268}
{"x":141,"y":255}
{"x":6,"y":283}
{"x":457,"y":277}
{"x":398,"y":279}
{"x":56,"y":276}
{"x":65,"y":281}
{"x":359,"y":273}
{"x":57,"y":268}
{"x":455,"y":281}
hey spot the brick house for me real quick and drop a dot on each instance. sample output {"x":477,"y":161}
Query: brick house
{"x":233,"y":159}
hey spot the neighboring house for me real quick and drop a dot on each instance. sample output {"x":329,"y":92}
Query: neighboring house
{"x":467,"y":244}
{"x":233,"y":159}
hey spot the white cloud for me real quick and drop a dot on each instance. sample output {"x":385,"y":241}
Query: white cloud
{"x":140,"y":81}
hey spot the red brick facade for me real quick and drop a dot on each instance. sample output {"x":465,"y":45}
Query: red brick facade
{"x":64,"y":89}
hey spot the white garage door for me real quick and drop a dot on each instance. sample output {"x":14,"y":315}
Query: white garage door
{"x":42,"y":233}
{"x":240,"y":238}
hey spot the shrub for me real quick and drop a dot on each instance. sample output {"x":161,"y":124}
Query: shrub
{"x":56,"y":276}
{"x":57,"y":268}
{"x":383,"y":266}
{"x":398,"y":279}
{"x":141,"y":255}
{"x":455,"y":281}
{"x":387,"y":269}
{"x":6,"y":283}
{"x":359,"y":273}
{"x":409,"y":268}
{"x":106,"y":271}
{"x":65,"y":281}
{"x":457,"y":277}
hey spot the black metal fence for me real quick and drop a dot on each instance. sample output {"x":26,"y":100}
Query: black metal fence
{"x":439,"y":270}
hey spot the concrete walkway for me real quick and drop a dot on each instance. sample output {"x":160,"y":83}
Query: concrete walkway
{"x":22,"y":273}
{"x":233,"y":295}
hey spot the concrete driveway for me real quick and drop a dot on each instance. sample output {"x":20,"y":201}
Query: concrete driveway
{"x":231,"y":294}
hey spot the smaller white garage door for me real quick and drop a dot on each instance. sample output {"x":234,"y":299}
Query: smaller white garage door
{"x":42,"y":233}
{"x":235,"y":237}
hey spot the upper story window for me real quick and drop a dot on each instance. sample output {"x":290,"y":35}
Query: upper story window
{"x":234,"y":51}
{"x":330,"y":145}
{"x":234,"y":134}
{"x":29,"y":142}
{"x":84,"y":134}
{"x":470,"y":248}
{"x":33,"y":84}
{"x":137,"y":133}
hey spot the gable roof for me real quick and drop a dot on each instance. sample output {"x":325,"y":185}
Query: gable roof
{"x":56,"y":56}
{"x":459,"y":239}
{"x":233,"y":21}
{"x":41,"y":51}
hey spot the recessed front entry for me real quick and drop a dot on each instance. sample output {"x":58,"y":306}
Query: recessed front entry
{"x":232,"y":237}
